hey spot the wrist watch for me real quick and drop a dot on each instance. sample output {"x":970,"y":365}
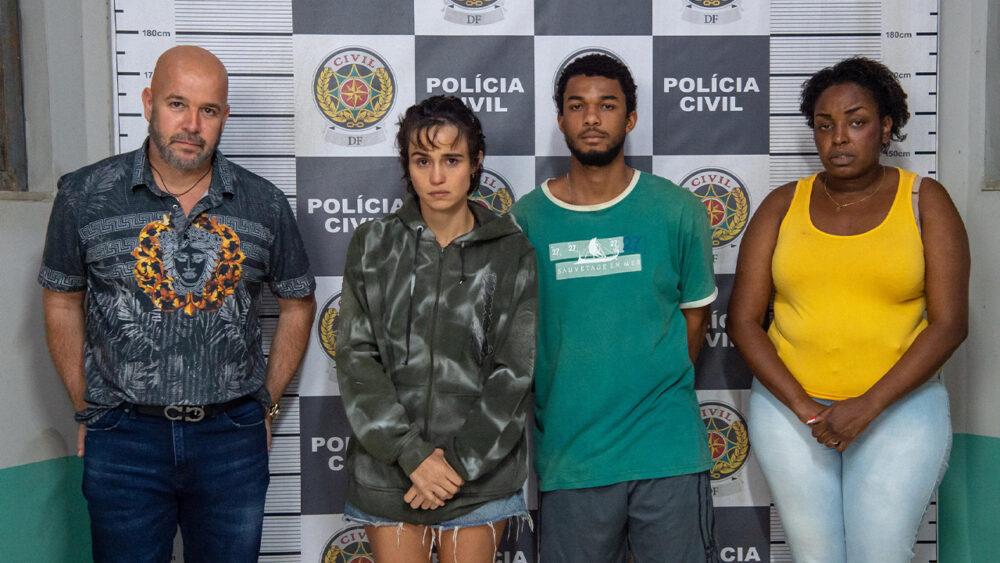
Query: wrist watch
{"x":273,"y":410}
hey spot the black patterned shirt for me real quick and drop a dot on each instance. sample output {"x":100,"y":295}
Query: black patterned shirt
{"x":173,"y":301}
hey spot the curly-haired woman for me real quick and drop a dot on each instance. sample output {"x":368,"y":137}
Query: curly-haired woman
{"x":868,"y":266}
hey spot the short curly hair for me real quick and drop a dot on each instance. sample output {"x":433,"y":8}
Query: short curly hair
{"x":422,"y":118}
{"x":596,"y":64}
{"x":870,"y":75}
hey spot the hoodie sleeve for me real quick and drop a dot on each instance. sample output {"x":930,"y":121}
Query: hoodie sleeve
{"x":378,"y":419}
{"x":495,"y":425}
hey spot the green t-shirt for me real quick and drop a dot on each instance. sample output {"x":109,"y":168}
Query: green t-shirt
{"x":614,"y":387}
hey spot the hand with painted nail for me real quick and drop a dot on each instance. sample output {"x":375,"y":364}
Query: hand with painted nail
{"x":839,"y":424}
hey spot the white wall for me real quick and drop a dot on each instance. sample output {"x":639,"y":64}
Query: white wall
{"x":67,"y":95}
{"x":37,"y":415}
{"x":67,"y":86}
{"x":962,"y":105}
{"x":993,"y":106}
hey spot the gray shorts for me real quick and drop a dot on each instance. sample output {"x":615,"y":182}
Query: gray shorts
{"x":666,"y":519}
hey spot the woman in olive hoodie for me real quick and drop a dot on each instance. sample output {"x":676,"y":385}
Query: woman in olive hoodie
{"x":436,"y":352}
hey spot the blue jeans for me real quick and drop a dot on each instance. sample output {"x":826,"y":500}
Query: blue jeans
{"x":866,"y":503}
{"x":145,"y":475}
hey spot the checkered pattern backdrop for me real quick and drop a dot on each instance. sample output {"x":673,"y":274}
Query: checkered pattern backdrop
{"x":316,"y":88}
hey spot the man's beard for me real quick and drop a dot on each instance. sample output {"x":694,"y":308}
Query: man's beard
{"x":596,"y":157}
{"x":168,"y":155}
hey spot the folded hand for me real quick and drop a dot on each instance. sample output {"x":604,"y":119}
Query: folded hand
{"x":434,"y":481}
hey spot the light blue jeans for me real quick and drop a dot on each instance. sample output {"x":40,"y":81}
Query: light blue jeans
{"x":863,"y":505}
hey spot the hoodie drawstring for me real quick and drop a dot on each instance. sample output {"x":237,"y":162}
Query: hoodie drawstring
{"x":413,"y":283}
{"x":461,"y":255}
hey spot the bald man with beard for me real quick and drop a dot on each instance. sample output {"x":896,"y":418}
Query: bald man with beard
{"x":153,"y":271}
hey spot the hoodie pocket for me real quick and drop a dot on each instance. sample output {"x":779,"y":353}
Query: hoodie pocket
{"x":374,"y":474}
{"x":449,"y":413}
{"x":508,"y":476}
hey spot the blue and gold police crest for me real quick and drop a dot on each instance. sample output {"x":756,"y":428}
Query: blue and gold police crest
{"x":728,"y":441}
{"x":354,"y":88}
{"x":726,"y":199}
{"x":329,"y":326}
{"x":711,"y":11}
{"x":473,"y":12}
{"x":349,"y":545}
{"x":494,"y":192}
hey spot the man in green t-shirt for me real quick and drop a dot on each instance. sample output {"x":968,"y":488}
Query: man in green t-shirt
{"x":625,"y":279}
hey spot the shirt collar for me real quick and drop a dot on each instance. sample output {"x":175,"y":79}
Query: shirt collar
{"x":222,"y":174}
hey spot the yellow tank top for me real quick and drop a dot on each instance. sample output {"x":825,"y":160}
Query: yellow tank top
{"x":846,"y":307}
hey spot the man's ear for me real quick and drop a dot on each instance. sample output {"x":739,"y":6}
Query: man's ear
{"x":147,"y":103}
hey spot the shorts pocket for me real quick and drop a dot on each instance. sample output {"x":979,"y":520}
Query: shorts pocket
{"x":707,"y":517}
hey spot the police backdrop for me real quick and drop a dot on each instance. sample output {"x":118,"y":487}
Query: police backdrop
{"x":317,"y":87}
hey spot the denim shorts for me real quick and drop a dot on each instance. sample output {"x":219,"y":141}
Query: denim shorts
{"x":489,"y":513}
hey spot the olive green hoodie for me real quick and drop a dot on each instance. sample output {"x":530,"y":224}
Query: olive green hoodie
{"x":436,"y":350}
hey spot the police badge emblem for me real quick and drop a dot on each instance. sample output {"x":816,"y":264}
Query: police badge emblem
{"x":349,"y":545}
{"x":494,"y":192}
{"x":711,"y":11}
{"x":725,"y":198}
{"x":329,"y":326}
{"x":473,"y":12}
{"x":354,"y":88}
{"x":728,"y":442}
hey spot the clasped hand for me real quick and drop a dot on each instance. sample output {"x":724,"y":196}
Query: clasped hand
{"x":434,"y":481}
{"x":839,"y":424}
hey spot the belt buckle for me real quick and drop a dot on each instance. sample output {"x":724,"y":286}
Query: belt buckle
{"x":187,"y":413}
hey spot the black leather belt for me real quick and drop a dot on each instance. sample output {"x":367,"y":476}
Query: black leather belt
{"x":189,"y":413}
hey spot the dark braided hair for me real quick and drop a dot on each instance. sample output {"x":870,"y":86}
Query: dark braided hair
{"x":868,"y":74}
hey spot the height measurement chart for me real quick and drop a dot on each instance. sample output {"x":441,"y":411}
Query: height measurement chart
{"x":718,"y":95}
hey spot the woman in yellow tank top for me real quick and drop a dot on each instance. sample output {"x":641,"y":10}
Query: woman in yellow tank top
{"x":870,"y":285}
